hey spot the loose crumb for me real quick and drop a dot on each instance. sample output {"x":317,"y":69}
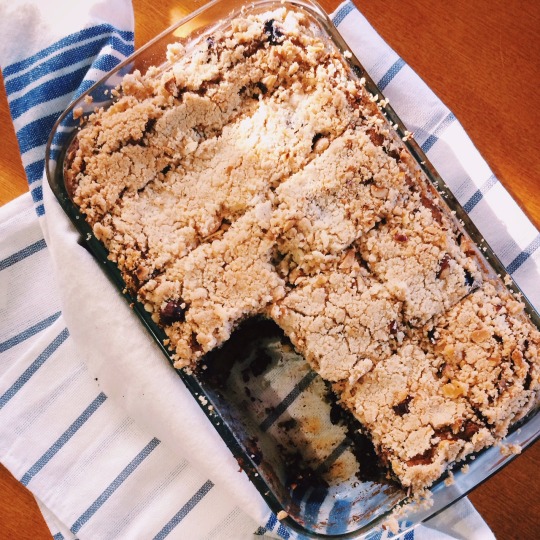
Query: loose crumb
{"x":510,"y":449}
{"x":391,"y":524}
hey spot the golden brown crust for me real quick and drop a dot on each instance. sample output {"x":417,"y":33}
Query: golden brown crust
{"x":414,"y":424}
{"x":256,"y":175}
{"x":486,"y":349}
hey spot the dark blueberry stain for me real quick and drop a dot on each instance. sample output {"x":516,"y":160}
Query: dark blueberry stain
{"x":274,"y":34}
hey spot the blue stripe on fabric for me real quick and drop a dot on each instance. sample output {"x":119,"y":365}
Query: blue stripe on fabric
{"x":33,"y":367}
{"x":375,"y":535}
{"x":63,"y":439}
{"x":47,"y":91}
{"x":22,"y":254}
{"x":185,"y":510}
{"x":283,"y":532}
{"x":59,"y":86}
{"x":125,"y":49}
{"x":394,"y":69}
{"x":36,"y":133}
{"x":289,"y":398}
{"x":67,"y":58}
{"x":28,"y":333}
{"x":37,"y":194}
{"x":313,"y":505}
{"x":479,"y":194}
{"x":434,"y":137}
{"x":105,"y":62}
{"x":58,"y":140}
{"x":114,"y":485}
{"x":34,"y":171}
{"x":524,"y":255}
{"x":429,"y":142}
{"x":61,"y":137}
{"x":409,"y":535}
{"x":58,"y":536}
{"x":82,"y":35}
{"x":271,"y":523}
{"x":55,"y":152}
{"x":40,"y":210}
{"x":339,"y":517}
{"x":84,"y":86}
{"x":260,"y":531}
{"x":342,"y":13}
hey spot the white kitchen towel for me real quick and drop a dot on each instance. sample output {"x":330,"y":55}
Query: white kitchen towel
{"x":108,"y":449}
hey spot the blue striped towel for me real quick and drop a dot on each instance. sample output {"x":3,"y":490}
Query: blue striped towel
{"x":95,"y":422}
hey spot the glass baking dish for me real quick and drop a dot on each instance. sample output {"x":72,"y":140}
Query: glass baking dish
{"x":260,"y":395}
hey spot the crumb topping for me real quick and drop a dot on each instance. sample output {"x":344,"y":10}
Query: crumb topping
{"x":254,"y":174}
{"x":485,"y":349}
{"x":416,"y":426}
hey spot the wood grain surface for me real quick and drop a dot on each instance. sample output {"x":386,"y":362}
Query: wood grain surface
{"x":481,"y":58}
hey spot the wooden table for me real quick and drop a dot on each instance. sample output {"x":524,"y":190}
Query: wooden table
{"x":481,"y":58}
